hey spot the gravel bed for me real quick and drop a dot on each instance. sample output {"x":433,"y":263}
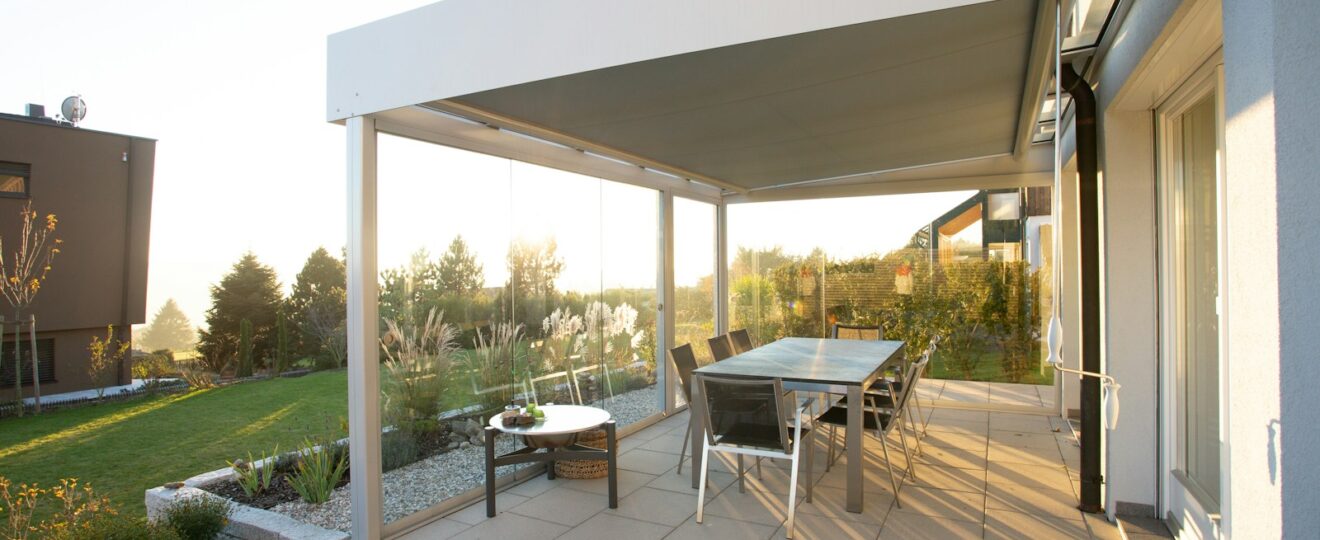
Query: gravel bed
{"x":420,"y":485}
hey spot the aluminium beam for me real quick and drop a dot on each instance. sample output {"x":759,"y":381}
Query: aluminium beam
{"x":896,"y":187}
{"x":493,"y":119}
{"x":437,"y":127}
{"x":364,"y":426}
{"x":1038,"y":65}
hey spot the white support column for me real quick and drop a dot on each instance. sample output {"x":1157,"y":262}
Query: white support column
{"x":363,"y":332}
{"x":721,"y":268}
{"x":664,"y":285}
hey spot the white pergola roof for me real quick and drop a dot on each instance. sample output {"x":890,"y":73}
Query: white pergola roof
{"x":761,"y":99}
{"x":724,"y":101}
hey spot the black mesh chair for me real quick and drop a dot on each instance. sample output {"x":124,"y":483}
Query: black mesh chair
{"x":742,"y":342}
{"x":879,"y":389}
{"x":746,"y":417}
{"x":685,"y":362}
{"x":720,"y":347}
{"x":849,"y":331}
{"x":880,"y":419}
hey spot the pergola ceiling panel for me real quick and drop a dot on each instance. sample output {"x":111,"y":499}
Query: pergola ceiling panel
{"x":928,"y":88}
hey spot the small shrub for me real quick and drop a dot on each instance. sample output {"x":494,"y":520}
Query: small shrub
{"x":318,"y":471}
{"x":322,"y":362}
{"x":156,"y":386}
{"x":417,"y":364}
{"x":198,"y":379}
{"x":252,"y":478}
{"x":398,"y":448}
{"x":156,"y":365}
{"x":499,"y":355}
{"x":77,"y":509}
{"x":18,"y":507}
{"x":198,"y":518}
{"x":105,"y":355}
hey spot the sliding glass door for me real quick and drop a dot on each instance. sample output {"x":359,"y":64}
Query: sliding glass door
{"x":1191,"y":277}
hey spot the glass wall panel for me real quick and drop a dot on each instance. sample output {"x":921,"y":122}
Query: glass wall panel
{"x":556,"y":263}
{"x":968,"y":266}
{"x":449,"y":355}
{"x":629,"y":219}
{"x":694,"y":276}
{"x":1198,"y":287}
{"x":503,"y":282}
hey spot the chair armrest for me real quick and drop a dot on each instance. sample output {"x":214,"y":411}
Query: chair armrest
{"x":806,"y":405}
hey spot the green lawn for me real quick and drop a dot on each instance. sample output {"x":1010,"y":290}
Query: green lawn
{"x":125,"y":448}
{"x":988,"y":369}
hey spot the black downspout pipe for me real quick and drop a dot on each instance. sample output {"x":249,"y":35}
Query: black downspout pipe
{"x":1088,"y":199}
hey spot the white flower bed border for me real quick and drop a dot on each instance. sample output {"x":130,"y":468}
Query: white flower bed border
{"x":247,"y":522}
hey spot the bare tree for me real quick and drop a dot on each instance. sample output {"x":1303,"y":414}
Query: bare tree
{"x":326,"y":323}
{"x":20,"y":280}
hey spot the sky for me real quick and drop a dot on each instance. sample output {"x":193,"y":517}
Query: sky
{"x":234,"y":92}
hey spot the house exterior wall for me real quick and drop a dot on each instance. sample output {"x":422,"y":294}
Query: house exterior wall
{"x":1271,"y":108}
{"x":1272,"y":251}
{"x":99,"y":186}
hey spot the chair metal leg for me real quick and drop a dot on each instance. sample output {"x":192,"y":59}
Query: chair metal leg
{"x":758,"y":469}
{"x":701,"y":490}
{"x":829,"y":458}
{"x":742,"y":481}
{"x":884,"y":445}
{"x":921,"y":414}
{"x":912,"y":471}
{"x":811,"y":452}
{"x":792,"y":490}
{"x":912,"y":425}
{"x":682,"y":451}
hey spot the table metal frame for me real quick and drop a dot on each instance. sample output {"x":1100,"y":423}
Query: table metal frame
{"x":574,"y":451}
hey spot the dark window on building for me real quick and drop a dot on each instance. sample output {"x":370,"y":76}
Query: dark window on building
{"x":15,"y":179}
{"x":45,"y":361}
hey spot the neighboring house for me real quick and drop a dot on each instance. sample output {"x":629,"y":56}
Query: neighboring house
{"x":1003,"y":215}
{"x":98,"y":185}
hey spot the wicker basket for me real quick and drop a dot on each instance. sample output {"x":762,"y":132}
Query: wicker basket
{"x":584,"y":469}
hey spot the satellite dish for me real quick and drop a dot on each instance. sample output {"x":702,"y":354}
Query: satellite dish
{"x":74,"y":109}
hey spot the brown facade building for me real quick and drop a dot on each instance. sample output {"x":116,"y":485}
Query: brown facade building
{"x":99,"y":186}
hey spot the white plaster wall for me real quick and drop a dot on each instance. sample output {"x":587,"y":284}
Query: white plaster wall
{"x":1131,"y":309}
{"x":1297,"y":101}
{"x":1272,"y":108}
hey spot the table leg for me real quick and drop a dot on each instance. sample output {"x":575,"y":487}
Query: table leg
{"x":696,"y":412}
{"x":490,"y":471}
{"x":854,"y":443}
{"x":611,"y":446}
{"x":550,"y":464}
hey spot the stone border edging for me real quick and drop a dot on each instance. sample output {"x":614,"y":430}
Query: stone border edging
{"x":247,"y":522}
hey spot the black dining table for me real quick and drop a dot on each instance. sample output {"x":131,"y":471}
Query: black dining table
{"x":835,"y":366}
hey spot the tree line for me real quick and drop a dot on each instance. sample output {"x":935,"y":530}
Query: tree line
{"x":252,"y":326}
